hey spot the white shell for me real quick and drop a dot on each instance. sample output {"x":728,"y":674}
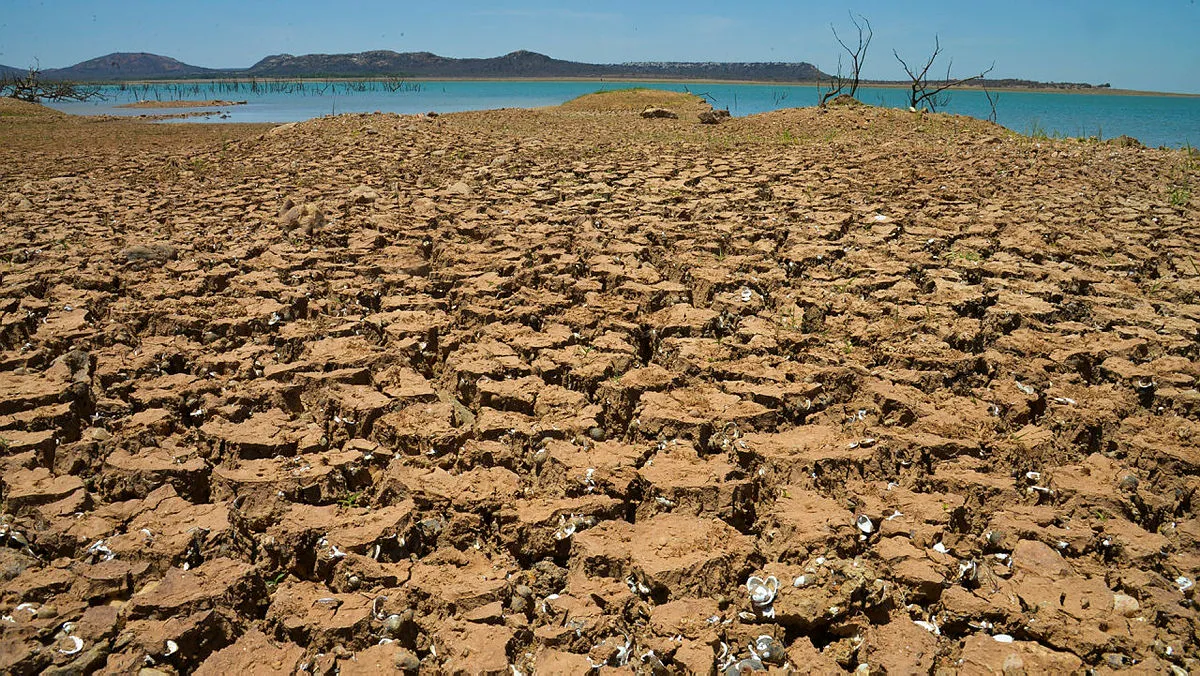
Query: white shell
{"x":927,"y":626}
{"x":762,"y":591}
{"x":1003,"y":638}
{"x":172,"y":648}
{"x":864,"y":524}
{"x":75,"y":641}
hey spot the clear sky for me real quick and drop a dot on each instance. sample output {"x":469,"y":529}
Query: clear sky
{"x":1135,"y":44}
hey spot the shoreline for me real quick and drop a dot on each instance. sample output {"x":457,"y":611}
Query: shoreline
{"x":1093,"y":91}
{"x":182,"y":103}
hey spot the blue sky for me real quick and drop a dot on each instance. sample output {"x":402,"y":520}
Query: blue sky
{"x":1145,"y":44}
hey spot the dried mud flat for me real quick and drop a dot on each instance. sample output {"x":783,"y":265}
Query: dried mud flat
{"x":560,"y":390}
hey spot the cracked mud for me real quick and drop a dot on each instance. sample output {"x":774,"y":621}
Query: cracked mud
{"x":555,"y":390}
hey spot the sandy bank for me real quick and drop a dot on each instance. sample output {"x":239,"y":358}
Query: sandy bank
{"x":182,"y":104}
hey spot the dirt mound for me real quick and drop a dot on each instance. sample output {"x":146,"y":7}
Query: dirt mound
{"x":542,"y":391}
{"x":10,"y":107}
{"x":636,"y":100}
{"x":844,"y":100}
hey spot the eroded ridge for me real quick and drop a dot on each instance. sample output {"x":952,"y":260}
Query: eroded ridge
{"x":565,"y":389}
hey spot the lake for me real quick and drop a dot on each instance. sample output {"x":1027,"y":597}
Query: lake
{"x":1152,"y":119}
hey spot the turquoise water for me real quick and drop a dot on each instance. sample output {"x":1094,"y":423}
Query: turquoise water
{"x":1154,"y":120}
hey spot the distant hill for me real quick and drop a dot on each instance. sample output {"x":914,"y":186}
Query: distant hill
{"x":9,"y":71}
{"x":382,"y":63}
{"x":123,"y":66}
{"x":712,"y":70}
{"x":420,"y":64}
{"x":129,"y":66}
{"x":514,"y":65}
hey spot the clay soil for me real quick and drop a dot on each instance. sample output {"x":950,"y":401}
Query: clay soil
{"x":567,"y":389}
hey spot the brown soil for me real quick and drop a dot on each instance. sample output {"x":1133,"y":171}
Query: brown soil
{"x":520,"y":391}
{"x":182,"y":104}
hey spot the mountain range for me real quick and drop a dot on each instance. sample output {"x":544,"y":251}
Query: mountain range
{"x":126,"y":66}
{"x":123,"y":66}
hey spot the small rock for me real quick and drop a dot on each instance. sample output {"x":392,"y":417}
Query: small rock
{"x":1124,"y":141}
{"x":99,"y":434}
{"x":713,"y":116}
{"x":1126,"y":605}
{"x":460,"y":188}
{"x":18,"y":202}
{"x":407,"y":662}
{"x":393,"y":625}
{"x":308,"y":218}
{"x":1115,"y":660}
{"x":656,"y":112}
{"x":151,"y":254}
{"x":363,"y":195}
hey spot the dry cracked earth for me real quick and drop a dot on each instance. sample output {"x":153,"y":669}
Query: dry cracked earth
{"x":568,"y":390}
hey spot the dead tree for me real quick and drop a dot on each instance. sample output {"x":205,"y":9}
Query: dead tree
{"x":930,"y":95}
{"x":33,"y":88}
{"x":858,"y":55}
{"x":993,"y":99}
{"x":837,"y":83}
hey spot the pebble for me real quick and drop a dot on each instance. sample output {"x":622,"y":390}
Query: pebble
{"x":100,"y":434}
{"x":393,"y":625}
{"x":1126,"y":605}
{"x":406,"y":661}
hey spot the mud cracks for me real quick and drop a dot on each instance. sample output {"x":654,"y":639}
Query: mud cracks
{"x":551,"y":391}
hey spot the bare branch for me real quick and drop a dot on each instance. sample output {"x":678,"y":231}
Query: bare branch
{"x":993,"y":99}
{"x":925,"y":93}
{"x":836,"y":84}
{"x":33,"y":88}
{"x":858,"y":55}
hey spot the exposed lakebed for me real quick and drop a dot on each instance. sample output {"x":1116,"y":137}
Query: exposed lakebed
{"x":526,"y":391}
